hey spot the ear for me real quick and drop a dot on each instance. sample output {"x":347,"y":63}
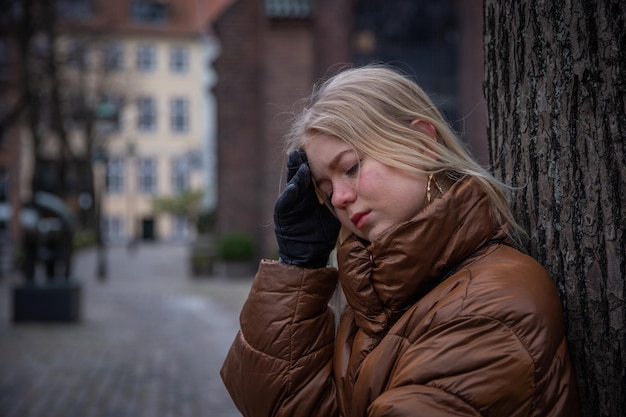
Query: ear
{"x":429,"y":130}
{"x":425,"y":127}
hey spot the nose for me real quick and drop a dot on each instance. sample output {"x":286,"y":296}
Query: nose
{"x":344,"y":193}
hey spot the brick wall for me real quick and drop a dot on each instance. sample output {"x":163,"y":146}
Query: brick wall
{"x":266,"y":66}
{"x":239,"y":137}
{"x":333,"y":33}
{"x":287,"y":76}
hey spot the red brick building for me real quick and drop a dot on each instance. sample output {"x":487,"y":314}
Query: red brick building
{"x":272,"y":52}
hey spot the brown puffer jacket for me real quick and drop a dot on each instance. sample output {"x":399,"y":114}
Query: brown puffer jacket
{"x":443,"y":319}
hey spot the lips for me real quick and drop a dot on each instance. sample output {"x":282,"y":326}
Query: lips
{"x":358,"y":219}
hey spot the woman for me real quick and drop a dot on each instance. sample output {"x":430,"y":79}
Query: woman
{"x":444,"y":317}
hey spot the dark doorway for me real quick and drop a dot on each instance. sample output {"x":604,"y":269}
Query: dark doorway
{"x":147,"y":229}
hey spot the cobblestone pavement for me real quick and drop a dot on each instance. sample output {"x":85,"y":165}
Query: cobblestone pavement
{"x":150,"y":343}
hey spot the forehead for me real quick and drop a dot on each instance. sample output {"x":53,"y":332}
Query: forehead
{"x":325,"y":152}
{"x":321,"y":141}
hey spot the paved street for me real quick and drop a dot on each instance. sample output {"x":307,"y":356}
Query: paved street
{"x":150,"y":343}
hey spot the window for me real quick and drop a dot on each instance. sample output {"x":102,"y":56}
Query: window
{"x":146,"y":58}
{"x":180,"y":175}
{"x":113,"y":229}
{"x":76,"y":10}
{"x":115,"y":176}
{"x":4,"y":185}
{"x":288,"y":9}
{"x":146,"y":114}
{"x":76,"y":105}
{"x":109,"y":112}
{"x":12,"y":12}
{"x":113,"y":56}
{"x":179,"y":59}
{"x":3,"y":126}
{"x":180,"y":229}
{"x":5,"y":63}
{"x":179,"y":113}
{"x":147,"y":176}
{"x":146,"y":11}
{"x":76,"y":55}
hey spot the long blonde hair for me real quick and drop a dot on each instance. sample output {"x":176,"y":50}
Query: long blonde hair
{"x":371,"y":108}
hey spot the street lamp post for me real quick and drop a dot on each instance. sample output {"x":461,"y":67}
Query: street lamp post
{"x":100,"y":166}
{"x":132,"y":232}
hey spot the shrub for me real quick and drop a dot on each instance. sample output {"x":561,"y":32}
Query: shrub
{"x":206,"y":222}
{"x":84,"y":239}
{"x":235,"y":247}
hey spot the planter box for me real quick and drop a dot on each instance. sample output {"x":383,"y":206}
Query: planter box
{"x":202,"y":256}
{"x":235,"y":269}
{"x":50,"y":302}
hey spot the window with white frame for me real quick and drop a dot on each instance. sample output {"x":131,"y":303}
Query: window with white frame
{"x":76,"y":55}
{"x":113,"y":229}
{"x":115,"y":176}
{"x":179,"y":59}
{"x":146,"y":58}
{"x":113,"y":56}
{"x":180,"y":175}
{"x":147,"y":176}
{"x":180,"y":227}
{"x":179,"y":115}
{"x":109,"y":112}
{"x":146,"y":114}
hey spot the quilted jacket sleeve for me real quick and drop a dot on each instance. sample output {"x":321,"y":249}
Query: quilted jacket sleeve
{"x":280,"y":363}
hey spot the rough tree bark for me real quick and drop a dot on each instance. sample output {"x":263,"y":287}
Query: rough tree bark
{"x":556,"y":88}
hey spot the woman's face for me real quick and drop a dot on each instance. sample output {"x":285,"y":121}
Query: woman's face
{"x":368,"y":196}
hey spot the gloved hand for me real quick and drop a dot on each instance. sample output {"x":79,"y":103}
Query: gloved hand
{"x":306,"y":230}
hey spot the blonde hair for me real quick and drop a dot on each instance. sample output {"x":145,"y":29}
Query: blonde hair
{"x":371,"y":108}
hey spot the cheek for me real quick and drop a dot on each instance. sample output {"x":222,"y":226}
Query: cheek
{"x":402,"y":194}
{"x":373,"y":184}
{"x":412,"y":200}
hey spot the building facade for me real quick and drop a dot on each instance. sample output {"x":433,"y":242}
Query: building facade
{"x":162,"y":139}
{"x":161,"y":135}
{"x":143,"y":70}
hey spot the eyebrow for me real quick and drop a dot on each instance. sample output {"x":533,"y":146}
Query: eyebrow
{"x":335,"y":161}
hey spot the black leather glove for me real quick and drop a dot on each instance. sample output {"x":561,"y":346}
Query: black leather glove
{"x":306,"y":230}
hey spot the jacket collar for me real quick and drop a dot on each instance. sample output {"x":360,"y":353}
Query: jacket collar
{"x":382,"y":279}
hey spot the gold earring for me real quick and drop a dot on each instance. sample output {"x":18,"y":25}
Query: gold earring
{"x":431,"y":177}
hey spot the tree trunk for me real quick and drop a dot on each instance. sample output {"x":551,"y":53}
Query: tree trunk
{"x":556,"y":88}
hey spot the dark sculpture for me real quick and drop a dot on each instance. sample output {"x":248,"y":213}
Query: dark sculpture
{"x":48,"y":231}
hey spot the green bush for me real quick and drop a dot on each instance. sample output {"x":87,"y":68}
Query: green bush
{"x":235,"y":247}
{"x":206,"y":222}
{"x":84,"y":239}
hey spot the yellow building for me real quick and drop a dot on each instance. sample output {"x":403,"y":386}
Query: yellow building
{"x":148,"y":66}
{"x":163,"y":141}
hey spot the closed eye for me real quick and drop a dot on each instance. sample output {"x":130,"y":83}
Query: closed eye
{"x":353,"y":170}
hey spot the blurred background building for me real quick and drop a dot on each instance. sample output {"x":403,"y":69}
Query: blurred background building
{"x":142,"y":115}
{"x":156,"y":108}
